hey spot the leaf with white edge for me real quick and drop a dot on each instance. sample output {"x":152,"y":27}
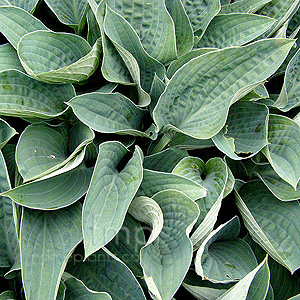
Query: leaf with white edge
{"x":22,"y":96}
{"x":198,"y":96}
{"x":279,"y":188}
{"x":58,"y":57}
{"x":272,"y":223}
{"x":167,"y":256}
{"x":6,"y":133}
{"x":234,"y":30}
{"x":68,"y":12}
{"x":104,"y":272}
{"x":43,"y":148}
{"x":16,"y":22}
{"x":201,"y":13}
{"x":9,"y":244}
{"x":290,"y":92}
{"x":294,"y":25}
{"x":164,"y":161}
{"x":109,"y":113}
{"x":153,"y":24}
{"x":212,"y":176}
{"x":154,"y":182}
{"x":109,"y":194}
{"x":47,"y":240}
{"x":177,"y":64}
{"x":245,"y":131}
{"x":224,"y":258}
{"x":9,"y":58}
{"x":28,"y":5}
{"x":297,"y":297}
{"x":93,"y":28}
{"x":283,"y":149}
{"x":8,"y":295}
{"x":157,"y":88}
{"x":77,"y":290}
{"x":55,"y":192}
{"x":108,"y":88}
{"x":142,"y":67}
{"x":241,"y":289}
{"x":243,"y":6}
{"x":183,"y":28}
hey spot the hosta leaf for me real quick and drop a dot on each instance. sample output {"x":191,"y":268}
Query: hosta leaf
{"x":234,"y":30}
{"x":8,"y":295}
{"x":109,"y":113}
{"x":290,"y":92}
{"x":77,"y":290}
{"x":222,"y":257}
{"x":294,"y":25}
{"x":103,"y":272}
{"x":54,"y":192}
{"x":109,"y":195}
{"x":16,"y":22}
{"x":93,"y":28}
{"x":127,"y":244}
{"x":154,"y":182}
{"x":280,"y":188}
{"x":157,"y":88}
{"x":47,"y":240}
{"x":201,"y":13}
{"x":9,"y":58}
{"x":22,"y":96}
{"x":43,"y":148}
{"x":166,"y":258}
{"x":273,"y":224}
{"x":245,"y":131}
{"x":164,"y":161}
{"x":68,"y":12}
{"x":198,"y":96}
{"x":213,"y":176}
{"x":58,"y":57}
{"x":9,"y":244}
{"x":283,"y":150}
{"x":152,"y":23}
{"x":6,"y":133}
{"x":241,"y":289}
{"x":183,"y":28}
{"x":243,"y":6}
{"x":28,"y":5}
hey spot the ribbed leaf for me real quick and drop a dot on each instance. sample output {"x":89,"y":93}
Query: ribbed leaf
{"x":109,"y":195}
{"x":222,"y":257}
{"x":103,"y":272}
{"x":93,"y":28}
{"x":58,"y":57}
{"x":166,"y":258}
{"x":245,"y":131}
{"x":283,"y":150}
{"x":198,"y":96}
{"x":22,"y":96}
{"x":47,"y":240}
{"x":16,"y":22}
{"x":28,"y":5}
{"x":234,"y":30}
{"x":243,"y":6}
{"x":6,"y":133}
{"x":273,"y":224}
{"x":9,"y":58}
{"x":154,"y":182}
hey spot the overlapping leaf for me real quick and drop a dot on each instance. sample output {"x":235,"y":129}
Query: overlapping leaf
{"x":243,"y":6}
{"x":9,"y":58}
{"x":28,"y":5}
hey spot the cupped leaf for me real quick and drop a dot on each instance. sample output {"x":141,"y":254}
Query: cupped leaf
{"x":16,"y":22}
{"x":245,"y":131}
{"x":47,"y":240}
{"x":290,"y":92}
{"x":6,"y":133}
{"x":109,"y":113}
{"x":167,"y":255}
{"x":198,"y":96}
{"x":231,"y":30}
{"x":58,"y":57}
{"x":22,"y":96}
{"x":222,"y":257}
{"x":75,"y":289}
{"x":243,"y":6}
{"x":283,"y":149}
{"x":273,"y":224}
{"x":109,"y":194}
{"x":9,"y":58}
{"x":154,"y":182}
{"x":212,"y":176}
{"x":104,"y":272}
{"x":68,"y":12}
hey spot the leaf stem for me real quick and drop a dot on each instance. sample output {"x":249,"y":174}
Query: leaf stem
{"x":161,"y":144}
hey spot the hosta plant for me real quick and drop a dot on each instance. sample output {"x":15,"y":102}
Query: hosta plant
{"x":149,"y":149}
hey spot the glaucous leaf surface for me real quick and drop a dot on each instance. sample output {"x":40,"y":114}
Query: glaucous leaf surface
{"x":9,"y":58}
{"x":6,"y":133}
{"x":28,"y":5}
{"x":243,"y":6}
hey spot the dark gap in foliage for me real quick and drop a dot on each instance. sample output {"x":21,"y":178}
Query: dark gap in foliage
{"x":123,"y":162}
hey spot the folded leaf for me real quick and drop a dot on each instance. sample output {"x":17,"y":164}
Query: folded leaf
{"x":6,"y":133}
